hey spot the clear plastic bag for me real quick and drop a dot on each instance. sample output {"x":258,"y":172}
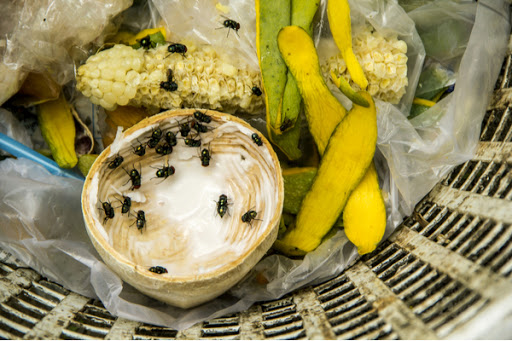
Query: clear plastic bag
{"x":45,"y":228}
{"x":13,"y":128}
{"x":201,"y":21}
{"x":46,"y":35}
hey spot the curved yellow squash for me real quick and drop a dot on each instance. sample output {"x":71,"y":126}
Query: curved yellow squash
{"x":344,"y":163}
{"x":338,"y":13}
{"x":364,"y":216}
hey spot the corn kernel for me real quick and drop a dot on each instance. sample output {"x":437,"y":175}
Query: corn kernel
{"x":400,"y":46}
{"x":380,"y":70}
{"x":368,"y":66}
{"x":97,"y":93}
{"x":95,"y":73}
{"x":214,"y":86}
{"x":156,"y":76}
{"x":185,"y":82}
{"x":136,"y":64}
{"x":381,"y":59}
{"x":133,"y":77}
{"x":118,"y":88}
{"x":107,"y":74}
{"x":401,"y":71}
{"x":231,"y":85}
{"x":377,"y":57}
{"x":373,"y":89}
{"x":400,"y":59}
{"x":180,"y":66}
{"x":391,"y":69}
{"x":86,"y":92}
{"x":228,"y":70}
{"x":384,"y":84}
{"x":122,"y":100}
{"x":130,"y":92}
{"x":209,"y":68}
{"x":104,"y":85}
{"x":120,"y":75}
{"x":203,"y":85}
{"x":107,"y":105}
{"x":94,"y":99}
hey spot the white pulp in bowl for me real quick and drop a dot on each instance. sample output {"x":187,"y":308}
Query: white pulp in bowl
{"x":203,"y":253}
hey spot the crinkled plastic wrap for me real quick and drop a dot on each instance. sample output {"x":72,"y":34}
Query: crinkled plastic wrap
{"x":201,"y":21}
{"x":44,"y":35}
{"x":44,"y":228}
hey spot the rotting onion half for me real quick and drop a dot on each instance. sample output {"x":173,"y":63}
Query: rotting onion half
{"x":190,"y":245}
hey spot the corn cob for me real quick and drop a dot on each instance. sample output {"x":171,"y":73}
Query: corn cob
{"x":384,"y":62}
{"x":125,"y":76}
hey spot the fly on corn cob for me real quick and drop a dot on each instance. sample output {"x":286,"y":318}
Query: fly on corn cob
{"x":122,"y":75}
{"x":384,"y":62}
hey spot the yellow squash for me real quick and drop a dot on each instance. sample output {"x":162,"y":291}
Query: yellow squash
{"x":364,"y":216}
{"x":342,"y":84}
{"x":323,"y":110}
{"x":338,"y":13}
{"x":344,"y":163}
{"x":324,"y":204}
{"x":58,"y":129}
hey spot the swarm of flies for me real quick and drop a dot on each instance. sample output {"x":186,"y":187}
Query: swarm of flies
{"x":159,"y":143}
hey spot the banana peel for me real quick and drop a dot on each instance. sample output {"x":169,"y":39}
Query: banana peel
{"x":58,"y":129}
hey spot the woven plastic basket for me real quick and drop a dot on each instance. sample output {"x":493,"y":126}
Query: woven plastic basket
{"x":445,"y":273}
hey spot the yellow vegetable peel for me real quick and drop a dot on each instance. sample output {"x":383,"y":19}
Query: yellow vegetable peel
{"x":58,"y":129}
{"x":338,"y":13}
{"x":364,"y":216}
{"x":349,"y":154}
{"x":323,"y":110}
{"x":321,"y":207}
{"x":342,"y":84}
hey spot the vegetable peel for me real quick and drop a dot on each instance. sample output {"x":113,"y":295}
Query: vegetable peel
{"x":338,"y":13}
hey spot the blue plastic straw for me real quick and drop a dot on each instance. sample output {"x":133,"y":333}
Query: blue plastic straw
{"x":20,"y":150}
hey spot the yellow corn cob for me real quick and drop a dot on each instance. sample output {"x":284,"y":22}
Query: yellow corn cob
{"x":125,"y":76}
{"x":384,"y":62}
